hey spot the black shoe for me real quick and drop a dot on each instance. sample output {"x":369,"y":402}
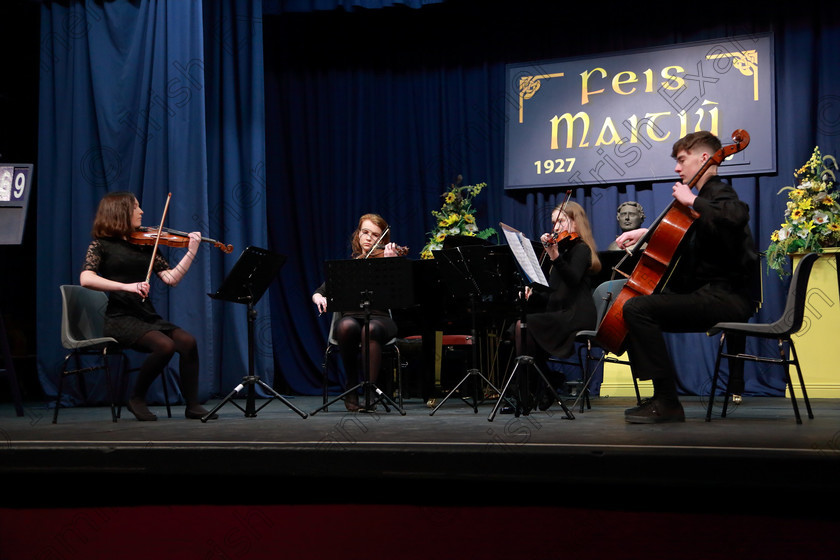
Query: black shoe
{"x":656,"y":411}
{"x":197,"y":412}
{"x":139,"y":409}
{"x":351,"y":402}
{"x":642,"y":403}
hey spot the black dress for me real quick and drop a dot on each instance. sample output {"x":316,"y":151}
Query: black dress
{"x":569,"y":307}
{"x":128,"y":316}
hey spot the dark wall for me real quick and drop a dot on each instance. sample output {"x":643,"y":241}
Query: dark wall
{"x":19,"y":57}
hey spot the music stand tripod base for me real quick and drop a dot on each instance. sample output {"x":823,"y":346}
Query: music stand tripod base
{"x":246,"y":283}
{"x":250,"y":409}
{"x":527,"y":361}
{"x":369,"y":388}
{"x":474,"y":405}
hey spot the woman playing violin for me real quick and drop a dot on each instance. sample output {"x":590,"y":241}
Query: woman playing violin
{"x":555,"y":316}
{"x":367,"y":241}
{"x":115,"y":265}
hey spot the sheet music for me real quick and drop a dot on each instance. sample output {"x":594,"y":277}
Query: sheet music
{"x":523,"y":251}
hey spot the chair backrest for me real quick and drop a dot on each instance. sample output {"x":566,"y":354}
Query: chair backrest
{"x":82,"y":315}
{"x":604,"y":295}
{"x":791,"y":320}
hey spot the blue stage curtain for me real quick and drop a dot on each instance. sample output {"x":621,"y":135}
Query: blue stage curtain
{"x":379,"y":111}
{"x":148,"y":97}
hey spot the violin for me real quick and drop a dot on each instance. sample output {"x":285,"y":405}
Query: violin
{"x":562,"y":239}
{"x":380,"y":252}
{"x":170,"y":238}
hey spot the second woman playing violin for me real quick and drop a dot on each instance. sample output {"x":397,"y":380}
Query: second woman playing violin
{"x":115,"y":265}
{"x":371,"y":234}
{"x":554,"y":318}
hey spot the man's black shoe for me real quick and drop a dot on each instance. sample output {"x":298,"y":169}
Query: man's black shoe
{"x":642,"y":403}
{"x":656,"y":411}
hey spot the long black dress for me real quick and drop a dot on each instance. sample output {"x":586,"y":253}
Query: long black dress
{"x":128,"y":316}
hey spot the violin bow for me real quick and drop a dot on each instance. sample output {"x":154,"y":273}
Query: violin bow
{"x":157,"y":240}
{"x":554,"y":223}
{"x":375,"y":245}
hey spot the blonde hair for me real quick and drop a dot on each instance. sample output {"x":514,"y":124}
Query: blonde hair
{"x":577,"y":214}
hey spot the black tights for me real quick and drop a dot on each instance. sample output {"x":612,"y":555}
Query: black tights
{"x":349,"y":333}
{"x":161,"y":346}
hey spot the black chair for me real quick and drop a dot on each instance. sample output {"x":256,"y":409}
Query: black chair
{"x":390,"y":348}
{"x":603,"y":296}
{"x":82,"y":323}
{"x":781,"y":330}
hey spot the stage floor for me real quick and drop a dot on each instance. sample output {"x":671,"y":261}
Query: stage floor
{"x":453,"y":456}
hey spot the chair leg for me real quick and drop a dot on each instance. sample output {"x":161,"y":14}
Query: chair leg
{"x":398,"y":371}
{"x":715,"y":380}
{"x":325,"y":379}
{"x":585,"y":358}
{"x":801,"y":379}
{"x":60,"y":387}
{"x":789,"y":382}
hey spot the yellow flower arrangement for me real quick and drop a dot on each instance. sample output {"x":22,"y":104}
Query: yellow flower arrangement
{"x":456,"y":217}
{"x":812,"y":215}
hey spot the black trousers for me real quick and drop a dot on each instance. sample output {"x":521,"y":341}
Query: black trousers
{"x":648,"y":317}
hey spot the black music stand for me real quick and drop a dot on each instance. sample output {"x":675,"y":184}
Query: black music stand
{"x":473,"y":272}
{"x":382,"y":283}
{"x":530,"y":275}
{"x":246,"y":283}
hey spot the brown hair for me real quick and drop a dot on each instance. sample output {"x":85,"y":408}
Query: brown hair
{"x":577,"y":214}
{"x":700,"y":138}
{"x":380,"y":222}
{"x":113,"y":217}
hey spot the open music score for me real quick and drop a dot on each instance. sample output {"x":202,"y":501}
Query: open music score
{"x":524,"y":253}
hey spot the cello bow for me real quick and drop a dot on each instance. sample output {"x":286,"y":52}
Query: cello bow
{"x":662,"y":243}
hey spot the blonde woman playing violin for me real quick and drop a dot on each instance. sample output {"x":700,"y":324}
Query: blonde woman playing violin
{"x":553,"y":317}
{"x":370,"y":239}
{"x":115,"y":265}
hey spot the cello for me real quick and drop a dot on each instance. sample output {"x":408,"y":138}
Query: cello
{"x":666,"y":234}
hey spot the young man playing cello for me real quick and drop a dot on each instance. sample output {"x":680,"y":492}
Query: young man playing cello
{"x":711,"y":282}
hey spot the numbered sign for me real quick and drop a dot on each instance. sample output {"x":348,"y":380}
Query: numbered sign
{"x":15,"y":184}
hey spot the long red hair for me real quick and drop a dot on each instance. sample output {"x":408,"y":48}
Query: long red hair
{"x":356,"y":245}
